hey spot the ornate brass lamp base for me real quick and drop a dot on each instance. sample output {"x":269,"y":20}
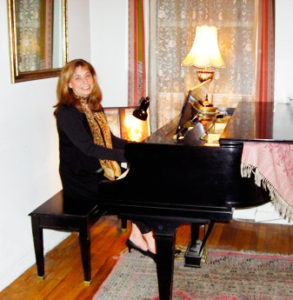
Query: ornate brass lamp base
{"x":204,"y":75}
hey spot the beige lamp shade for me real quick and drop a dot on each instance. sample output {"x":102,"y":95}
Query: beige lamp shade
{"x":205,"y":51}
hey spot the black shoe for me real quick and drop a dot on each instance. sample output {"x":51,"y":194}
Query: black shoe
{"x":152,"y":255}
{"x":148,"y":253}
{"x":131,"y":245}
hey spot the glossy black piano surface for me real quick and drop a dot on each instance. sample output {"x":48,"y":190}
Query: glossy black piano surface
{"x":263,"y":122}
{"x":172,"y":182}
{"x":170,"y":173}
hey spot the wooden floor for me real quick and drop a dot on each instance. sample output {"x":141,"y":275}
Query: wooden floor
{"x":64,"y":276}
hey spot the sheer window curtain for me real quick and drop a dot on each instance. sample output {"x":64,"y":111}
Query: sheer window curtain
{"x":242,"y":25}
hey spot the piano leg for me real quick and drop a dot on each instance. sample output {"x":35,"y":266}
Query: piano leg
{"x":123,"y":225}
{"x":165,"y":241}
{"x":194,"y":253}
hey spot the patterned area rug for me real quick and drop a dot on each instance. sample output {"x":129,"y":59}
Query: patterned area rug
{"x":224,"y":276}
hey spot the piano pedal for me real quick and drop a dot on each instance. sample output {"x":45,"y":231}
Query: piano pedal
{"x":193,"y":255}
{"x":204,"y":256}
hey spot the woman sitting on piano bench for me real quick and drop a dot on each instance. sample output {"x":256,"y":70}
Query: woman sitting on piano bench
{"x":89,"y":152}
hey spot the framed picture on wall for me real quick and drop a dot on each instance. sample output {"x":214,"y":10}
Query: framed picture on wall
{"x":113,"y":117}
{"x":38,"y":38}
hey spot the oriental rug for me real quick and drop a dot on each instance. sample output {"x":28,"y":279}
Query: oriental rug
{"x":224,"y":276}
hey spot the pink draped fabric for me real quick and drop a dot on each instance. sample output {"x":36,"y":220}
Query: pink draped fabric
{"x":271,"y":165}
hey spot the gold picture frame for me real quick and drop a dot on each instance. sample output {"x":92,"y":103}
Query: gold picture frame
{"x":38,"y":38}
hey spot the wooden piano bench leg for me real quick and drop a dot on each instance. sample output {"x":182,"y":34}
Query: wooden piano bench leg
{"x":38,"y":245}
{"x":85,"y":246}
{"x":54,"y":214}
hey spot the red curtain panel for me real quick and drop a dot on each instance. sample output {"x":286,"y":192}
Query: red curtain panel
{"x":266,"y":66}
{"x":136,"y":65}
{"x":266,"y":52}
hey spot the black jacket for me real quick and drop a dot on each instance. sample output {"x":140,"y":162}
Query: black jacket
{"x":80,"y":169}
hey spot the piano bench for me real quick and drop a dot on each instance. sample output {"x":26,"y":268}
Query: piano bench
{"x":61,"y":213}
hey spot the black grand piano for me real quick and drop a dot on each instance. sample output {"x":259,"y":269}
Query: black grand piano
{"x":176,"y":177}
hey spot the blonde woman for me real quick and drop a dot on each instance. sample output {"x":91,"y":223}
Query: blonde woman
{"x":89,"y":152}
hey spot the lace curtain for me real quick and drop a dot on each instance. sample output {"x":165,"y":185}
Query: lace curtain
{"x":172,"y":28}
{"x":34,"y":19}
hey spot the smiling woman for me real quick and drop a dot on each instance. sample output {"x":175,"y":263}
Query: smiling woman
{"x":89,"y":151}
{"x":37,"y":38}
{"x":81,"y":82}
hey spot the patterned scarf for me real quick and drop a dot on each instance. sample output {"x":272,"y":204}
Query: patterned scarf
{"x":102,"y":136}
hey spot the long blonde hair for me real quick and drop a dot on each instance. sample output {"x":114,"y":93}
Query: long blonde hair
{"x":65,"y":94}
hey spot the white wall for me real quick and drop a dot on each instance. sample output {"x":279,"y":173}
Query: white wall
{"x":79,"y":29}
{"x":97,"y":31}
{"x":29,"y":143}
{"x":284,"y":51}
{"x":29,"y":147}
{"x":109,"y":49}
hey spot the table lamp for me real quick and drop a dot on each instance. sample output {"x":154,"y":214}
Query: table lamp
{"x":205,"y":52}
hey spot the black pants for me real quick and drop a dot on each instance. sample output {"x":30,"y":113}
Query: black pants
{"x":86,"y":189}
{"x":144,"y":228}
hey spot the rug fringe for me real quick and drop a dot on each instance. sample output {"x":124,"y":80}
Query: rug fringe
{"x":281,"y":206}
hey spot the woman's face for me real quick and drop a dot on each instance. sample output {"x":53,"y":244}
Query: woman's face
{"x":81,"y":82}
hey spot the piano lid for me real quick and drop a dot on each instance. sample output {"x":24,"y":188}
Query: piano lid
{"x":260,"y":121}
{"x":251,"y":121}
